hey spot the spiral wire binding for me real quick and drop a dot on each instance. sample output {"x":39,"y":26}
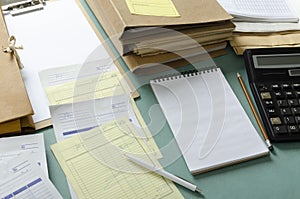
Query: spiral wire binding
{"x":189,"y":73}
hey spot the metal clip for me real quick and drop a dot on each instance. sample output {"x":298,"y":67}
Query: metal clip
{"x":23,"y":7}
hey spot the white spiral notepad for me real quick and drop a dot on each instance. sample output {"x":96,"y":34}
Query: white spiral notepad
{"x":208,"y":122}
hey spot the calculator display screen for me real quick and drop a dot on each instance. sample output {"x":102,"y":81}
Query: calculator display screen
{"x":277,"y":61}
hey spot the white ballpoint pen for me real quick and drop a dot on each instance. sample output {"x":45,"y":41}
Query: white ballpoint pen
{"x":164,"y":173}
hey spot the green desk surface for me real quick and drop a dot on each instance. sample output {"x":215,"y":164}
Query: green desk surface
{"x":273,"y":176}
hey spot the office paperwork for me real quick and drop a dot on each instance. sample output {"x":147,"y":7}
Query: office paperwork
{"x":66,"y":86}
{"x":260,"y":11}
{"x":78,"y":117}
{"x":249,"y":35}
{"x":260,"y":27}
{"x":146,"y":41}
{"x":16,"y":110}
{"x":18,"y":146}
{"x":76,"y":83}
{"x":209,"y":124}
{"x":58,"y":35}
{"x":71,"y":119}
{"x":94,"y":87}
{"x":59,"y":75}
{"x":96,"y":167}
{"x":22,"y":178}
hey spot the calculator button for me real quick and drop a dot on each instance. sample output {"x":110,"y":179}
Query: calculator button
{"x":285,"y":111}
{"x":296,"y":86}
{"x":262,"y":87}
{"x":293,"y":129}
{"x":268,"y":103}
{"x":296,"y":110}
{"x":290,"y":94}
{"x":280,"y":129}
{"x":275,"y":86}
{"x":279,"y":95}
{"x":289,"y":120}
{"x":271,"y":111}
{"x":286,"y":86}
{"x":293,"y":102}
{"x":265,"y":95}
{"x":297,"y":119}
{"x":282,"y":103}
{"x":275,"y":120}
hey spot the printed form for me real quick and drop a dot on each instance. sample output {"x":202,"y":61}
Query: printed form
{"x":22,"y":178}
{"x":14,"y":147}
{"x":72,"y":119}
{"x":96,"y":167}
{"x":76,"y":83}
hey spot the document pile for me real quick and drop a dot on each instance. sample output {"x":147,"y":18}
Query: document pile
{"x":82,"y":98}
{"x":24,"y":172}
{"x":163,"y":32}
{"x":264,"y":24}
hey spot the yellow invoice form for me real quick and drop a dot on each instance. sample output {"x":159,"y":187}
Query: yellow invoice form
{"x":92,"y":87}
{"x":95,"y":165}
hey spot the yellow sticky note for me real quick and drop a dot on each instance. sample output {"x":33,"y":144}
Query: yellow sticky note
{"x":164,"y":8}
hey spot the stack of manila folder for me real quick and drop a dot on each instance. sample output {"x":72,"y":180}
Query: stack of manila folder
{"x":150,"y":44}
{"x":242,"y":41}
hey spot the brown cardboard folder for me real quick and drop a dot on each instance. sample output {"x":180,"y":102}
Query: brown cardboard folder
{"x":116,"y":18}
{"x":123,"y":27}
{"x":15,"y":107}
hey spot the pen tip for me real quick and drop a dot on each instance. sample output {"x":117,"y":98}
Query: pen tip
{"x":271,"y":148}
{"x":199,"y":190}
{"x":238,"y":74}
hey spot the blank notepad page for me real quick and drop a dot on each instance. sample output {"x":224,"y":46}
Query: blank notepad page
{"x":209,"y":124}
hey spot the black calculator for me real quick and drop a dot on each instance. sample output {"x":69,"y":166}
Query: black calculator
{"x":274,"y":78}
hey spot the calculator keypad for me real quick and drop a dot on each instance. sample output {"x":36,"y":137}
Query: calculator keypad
{"x":281,"y":102}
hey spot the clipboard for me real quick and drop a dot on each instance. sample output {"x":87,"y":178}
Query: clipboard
{"x":16,"y":110}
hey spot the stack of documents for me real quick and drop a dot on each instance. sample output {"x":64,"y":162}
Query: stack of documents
{"x":83,"y":97}
{"x":273,"y":23}
{"x":96,"y":167}
{"x":24,"y":172}
{"x":164,"y":32}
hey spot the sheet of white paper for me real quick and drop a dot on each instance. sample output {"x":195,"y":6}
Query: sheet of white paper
{"x":21,"y":177}
{"x":12,"y":147}
{"x":58,"y":35}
